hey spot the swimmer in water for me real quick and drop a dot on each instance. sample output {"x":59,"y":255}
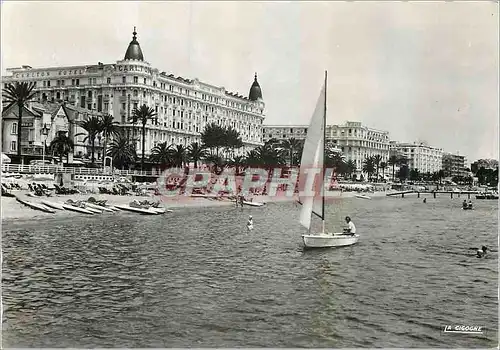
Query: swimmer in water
{"x":481,"y":253}
{"x":250,"y":223}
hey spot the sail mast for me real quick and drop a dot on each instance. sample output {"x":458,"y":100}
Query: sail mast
{"x":324,"y":157}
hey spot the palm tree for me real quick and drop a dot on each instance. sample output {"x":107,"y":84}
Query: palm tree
{"x":179,"y":157}
{"x":369,"y":166}
{"x":350,"y":167}
{"x":195,"y":153}
{"x":122,"y":150}
{"x":214,"y":137}
{"x":62,"y":146}
{"x":232,"y":140}
{"x":238,"y":163}
{"x":393,"y":160}
{"x":93,"y":127}
{"x":108,"y":127}
{"x":266,"y":156}
{"x":291,"y":146}
{"x":218,"y":164}
{"x":162,"y":155}
{"x":376,"y":160}
{"x":383,"y":166}
{"x":142,"y":115}
{"x":20,"y":94}
{"x":415,"y":175}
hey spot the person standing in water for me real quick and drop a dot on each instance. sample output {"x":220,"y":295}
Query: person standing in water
{"x":481,"y":253}
{"x":250,"y":223}
{"x":351,"y":228}
{"x":425,"y":200}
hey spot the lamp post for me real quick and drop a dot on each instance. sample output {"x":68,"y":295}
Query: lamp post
{"x":45,"y":132}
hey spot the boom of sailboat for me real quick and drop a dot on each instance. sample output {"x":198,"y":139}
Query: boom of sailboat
{"x":313,"y":158}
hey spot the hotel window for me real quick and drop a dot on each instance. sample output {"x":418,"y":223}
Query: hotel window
{"x":44,"y":83}
{"x":90,"y":81}
{"x":135,"y":105}
{"x":136,"y":93}
{"x":124,"y":93}
{"x":136,"y":80}
{"x":106,"y":106}
{"x":13,"y":129}
{"x":63,"y":82}
{"x":13,"y":146}
{"x":89,"y":105}
{"x":108,"y":80}
{"x":144,"y":94}
{"x":72,"y":81}
{"x":123,"y":106}
{"x":90,"y":94}
{"x":58,"y":95}
{"x":145,"y":81}
{"x":48,"y":83}
{"x":124,"y":80}
{"x":77,"y":82}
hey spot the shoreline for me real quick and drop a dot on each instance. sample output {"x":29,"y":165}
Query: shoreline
{"x":12,"y":209}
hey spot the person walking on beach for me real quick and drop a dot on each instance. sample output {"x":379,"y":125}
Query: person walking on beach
{"x":351,"y":228}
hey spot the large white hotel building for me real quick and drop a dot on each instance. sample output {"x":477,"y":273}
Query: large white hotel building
{"x":184,"y":106}
{"x":420,"y":155}
{"x":356,"y":141}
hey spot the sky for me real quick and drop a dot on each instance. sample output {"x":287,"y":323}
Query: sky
{"x":424,"y":71}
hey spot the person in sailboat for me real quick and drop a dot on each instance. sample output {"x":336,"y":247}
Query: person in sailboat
{"x":351,"y":228}
{"x":250,"y":223}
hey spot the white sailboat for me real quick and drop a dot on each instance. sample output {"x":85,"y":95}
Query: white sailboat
{"x":313,"y":157}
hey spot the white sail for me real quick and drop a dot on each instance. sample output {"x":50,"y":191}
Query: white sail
{"x":312,"y":159}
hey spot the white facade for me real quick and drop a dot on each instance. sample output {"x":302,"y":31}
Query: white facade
{"x":184,"y":106}
{"x":355,"y":141}
{"x":359,"y":142}
{"x":420,"y":155}
{"x":284,"y":132}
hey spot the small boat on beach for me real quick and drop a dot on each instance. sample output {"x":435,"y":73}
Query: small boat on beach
{"x":83,"y":205}
{"x":36,"y":206}
{"x":77,"y":209}
{"x":98,"y":207}
{"x":254,"y":204}
{"x":154,"y":206}
{"x":146,"y":211}
{"x":53,"y":205}
{"x":362,"y":196}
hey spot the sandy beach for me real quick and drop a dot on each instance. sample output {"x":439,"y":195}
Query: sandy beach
{"x":12,"y":209}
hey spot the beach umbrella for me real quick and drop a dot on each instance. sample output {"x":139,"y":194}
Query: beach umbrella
{"x":5,"y":158}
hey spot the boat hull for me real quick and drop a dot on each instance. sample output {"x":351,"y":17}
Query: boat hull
{"x":77,"y":209}
{"x":362,"y":197}
{"x":98,"y":207}
{"x":52,"y":205}
{"x":253,"y":204}
{"x":137,"y":210}
{"x":328,"y":240}
{"x":36,"y":206}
